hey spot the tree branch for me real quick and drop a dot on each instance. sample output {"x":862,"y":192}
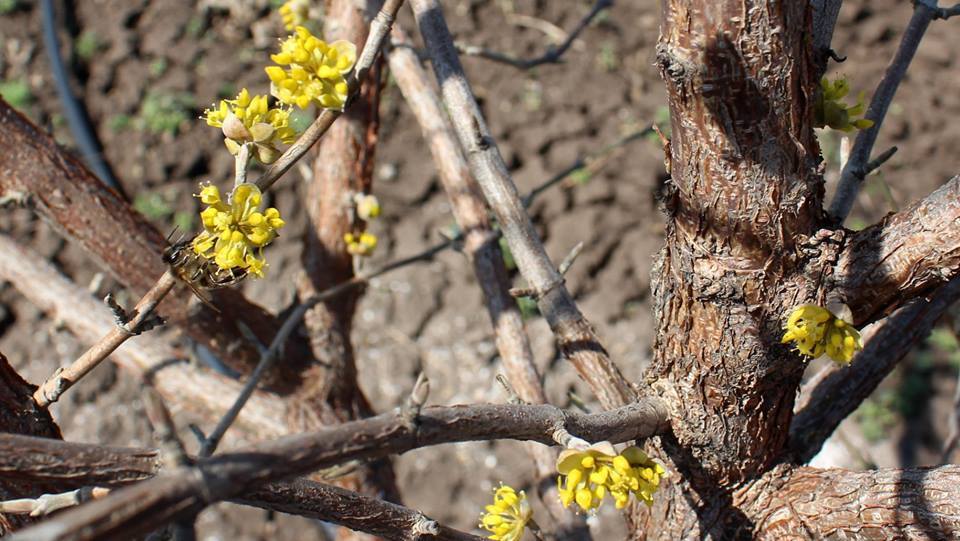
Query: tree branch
{"x":834,"y":393}
{"x":904,"y":256}
{"x":917,"y":503}
{"x":576,"y":339}
{"x":76,"y":463}
{"x":186,"y":491}
{"x":552,"y":55}
{"x":183,"y":386}
{"x":855,"y":171}
{"x":825,"y":13}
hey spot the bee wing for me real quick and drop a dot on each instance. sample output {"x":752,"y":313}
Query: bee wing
{"x":202,"y":295}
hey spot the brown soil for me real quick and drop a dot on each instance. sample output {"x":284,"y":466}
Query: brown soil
{"x":430,"y":315}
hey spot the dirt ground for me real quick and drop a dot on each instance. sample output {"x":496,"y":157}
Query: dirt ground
{"x":146,"y":70}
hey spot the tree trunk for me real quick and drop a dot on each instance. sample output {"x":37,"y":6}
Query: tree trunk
{"x":744,"y":192}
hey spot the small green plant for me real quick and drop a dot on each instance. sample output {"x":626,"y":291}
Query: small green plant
{"x":661,"y":117}
{"x":944,"y":340}
{"x":8,"y":6}
{"x":158,"y":67}
{"x":17,"y":93}
{"x":119,"y":122}
{"x":607,"y":58}
{"x":165,"y":113}
{"x":87,"y":45}
{"x":877,"y":415}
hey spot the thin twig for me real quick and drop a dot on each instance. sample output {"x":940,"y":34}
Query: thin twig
{"x":379,"y":29}
{"x":855,"y":170}
{"x":946,"y":13}
{"x":825,"y":13}
{"x":289,"y":325}
{"x":576,"y":339}
{"x":63,"y":379}
{"x":875,"y":163}
{"x":186,"y":491}
{"x":48,"y":503}
{"x":552,"y":55}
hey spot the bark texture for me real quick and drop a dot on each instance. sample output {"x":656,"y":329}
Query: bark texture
{"x":743,"y":195}
{"x":20,"y":415}
{"x":885,"y":504}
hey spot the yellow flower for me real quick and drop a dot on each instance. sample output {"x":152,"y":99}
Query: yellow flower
{"x":507,"y":518}
{"x":249,"y":119}
{"x":830,"y":111}
{"x":363,"y":244}
{"x":294,"y":13}
{"x":368,"y":207}
{"x":816,"y":330}
{"x":587,"y":476}
{"x":315,"y":71}
{"x":235,"y":233}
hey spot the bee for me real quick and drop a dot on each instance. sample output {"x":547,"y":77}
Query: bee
{"x":198,"y":273}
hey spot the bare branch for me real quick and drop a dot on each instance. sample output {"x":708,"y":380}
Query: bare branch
{"x":576,"y":339}
{"x":61,"y":380}
{"x":946,"y":13}
{"x":186,"y":491}
{"x":904,"y":256}
{"x":833,"y":394}
{"x":182,"y":385}
{"x":855,"y":170}
{"x":916,"y":503}
{"x":117,"y":467}
{"x":48,"y":503}
{"x":552,"y":55}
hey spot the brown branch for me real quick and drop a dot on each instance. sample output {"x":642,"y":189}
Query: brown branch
{"x":834,"y":393}
{"x":64,"y":378}
{"x":186,"y":491}
{"x":349,"y":509}
{"x":916,"y":503}
{"x":77,"y":463}
{"x":855,"y":171}
{"x":122,"y":242}
{"x":290,"y":324}
{"x":904,"y":256}
{"x":552,"y":55}
{"x":183,"y":386}
{"x":576,"y":339}
{"x":482,"y":249}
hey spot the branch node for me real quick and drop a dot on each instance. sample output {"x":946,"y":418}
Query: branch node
{"x":416,"y":400}
{"x":424,"y":527}
{"x":835,"y":57}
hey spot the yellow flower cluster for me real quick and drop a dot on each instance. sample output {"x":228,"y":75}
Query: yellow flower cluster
{"x":315,"y":71}
{"x":362,"y":244}
{"x":830,"y":111}
{"x":816,"y":331}
{"x":587,"y":476}
{"x":294,"y":13}
{"x":507,"y":518}
{"x":234,"y":234}
{"x":249,"y":120}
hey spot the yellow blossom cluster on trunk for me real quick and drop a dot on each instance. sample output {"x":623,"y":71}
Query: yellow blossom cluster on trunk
{"x":817,"y":331}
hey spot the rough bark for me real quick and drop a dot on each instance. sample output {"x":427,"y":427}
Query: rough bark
{"x":121,"y":241}
{"x":906,"y":255}
{"x":19,"y":415}
{"x":744,"y":193}
{"x":810,"y":503}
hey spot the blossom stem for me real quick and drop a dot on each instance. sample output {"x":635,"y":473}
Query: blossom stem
{"x":242,"y":163}
{"x":535,"y":530}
